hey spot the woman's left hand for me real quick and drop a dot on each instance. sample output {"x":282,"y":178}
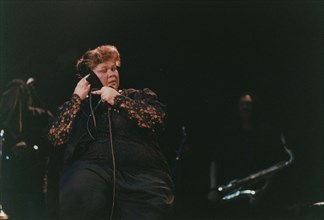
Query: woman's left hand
{"x":107,"y":94}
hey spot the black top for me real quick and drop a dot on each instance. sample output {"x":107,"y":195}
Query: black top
{"x":137,"y":117}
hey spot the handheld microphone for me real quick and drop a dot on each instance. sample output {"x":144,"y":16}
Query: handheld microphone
{"x":30,"y":81}
{"x":184,"y":133}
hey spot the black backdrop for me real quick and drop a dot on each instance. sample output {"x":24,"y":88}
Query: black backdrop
{"x":198,"y":56}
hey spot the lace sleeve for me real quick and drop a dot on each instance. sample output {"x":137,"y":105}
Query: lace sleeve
{"x":62,"y":124}
{"x":143,"y":108}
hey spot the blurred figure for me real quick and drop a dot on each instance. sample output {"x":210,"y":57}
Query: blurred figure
{"x":246,"y":147}
{"x":25,"y":151}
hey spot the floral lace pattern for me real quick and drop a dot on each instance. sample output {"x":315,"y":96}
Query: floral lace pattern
{"x":62,"y":124}
{"x":143,"y":107}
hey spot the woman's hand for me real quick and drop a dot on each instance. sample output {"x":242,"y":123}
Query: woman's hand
{"x":82,"y":88}
{"x":107,"y":94}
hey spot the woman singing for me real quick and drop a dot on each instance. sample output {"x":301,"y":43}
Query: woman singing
{"x":113,"y":164}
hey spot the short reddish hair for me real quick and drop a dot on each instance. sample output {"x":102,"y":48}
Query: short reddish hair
{"x":92,"y":58}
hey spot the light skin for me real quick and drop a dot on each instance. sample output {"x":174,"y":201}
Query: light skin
{"x":109,"y":77}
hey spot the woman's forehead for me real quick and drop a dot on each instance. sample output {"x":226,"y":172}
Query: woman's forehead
{"x":108,"y":63}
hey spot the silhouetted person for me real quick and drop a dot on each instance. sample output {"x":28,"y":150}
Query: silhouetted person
{"x":25,"y":153}
{"x":245,"y":147}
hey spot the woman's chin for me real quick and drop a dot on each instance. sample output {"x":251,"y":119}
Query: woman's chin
{"x":113,"y":85}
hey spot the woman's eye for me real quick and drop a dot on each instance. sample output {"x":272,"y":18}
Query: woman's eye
{"x":113,"y":69}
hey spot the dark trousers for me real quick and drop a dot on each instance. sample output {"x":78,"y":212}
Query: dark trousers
{"x":86,"y":193}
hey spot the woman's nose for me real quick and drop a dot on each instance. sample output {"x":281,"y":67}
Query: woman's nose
{"x":112,"y":73}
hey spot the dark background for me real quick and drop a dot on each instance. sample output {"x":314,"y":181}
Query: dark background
{"x":197,"y":56}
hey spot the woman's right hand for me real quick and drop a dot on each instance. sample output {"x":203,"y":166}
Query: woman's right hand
{"x":82,"y":88}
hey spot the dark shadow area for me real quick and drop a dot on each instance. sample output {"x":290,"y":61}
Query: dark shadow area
{"x":198,"y":57}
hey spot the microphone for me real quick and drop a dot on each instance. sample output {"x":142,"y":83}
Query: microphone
{"x":30,"y":81}
{"x":184,"y":133}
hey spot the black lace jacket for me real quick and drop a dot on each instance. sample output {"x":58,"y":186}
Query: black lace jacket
{"x":140,"y":106}
{"x":136,"y":117}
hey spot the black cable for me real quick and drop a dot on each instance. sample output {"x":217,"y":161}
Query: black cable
{"x":111,"y":145}
{"x":91,"y":109}
{"x":92,"y":114}
{"x":114,"y":165}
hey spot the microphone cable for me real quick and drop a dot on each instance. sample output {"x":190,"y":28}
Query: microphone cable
{"x":92,"y":114}
{"x":113,"y":163}
{"x":91,"y":109}
{"x":111,"y":146}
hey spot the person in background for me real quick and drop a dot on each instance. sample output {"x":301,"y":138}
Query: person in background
{"x":25,"y":152}
{"x":246,"y":146}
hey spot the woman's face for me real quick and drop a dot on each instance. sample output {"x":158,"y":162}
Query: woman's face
{"x":107,"y":73}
